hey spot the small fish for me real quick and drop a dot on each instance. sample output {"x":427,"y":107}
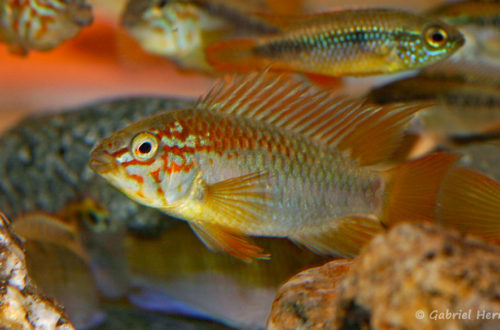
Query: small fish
{"x":352,"y":42}
{"x":467,"y":98}
{"x":41,"y":24}
{"x":85,"y":228}
{"x":266,"y":155}
{"x":44,"y":227}
{"x":58,"y":260}
{"x":479,"y":21}
{"x":63,"y":275}
{"x":177,"y":266}
{"x":180,"y":30}
{"x":469,"y":12}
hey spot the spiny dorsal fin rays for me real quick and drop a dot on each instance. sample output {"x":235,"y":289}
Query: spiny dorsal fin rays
{"x":369,"y":132}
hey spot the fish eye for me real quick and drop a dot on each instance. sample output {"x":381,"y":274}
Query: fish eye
{"x":436,"y":36}
{"x":144,"y":146}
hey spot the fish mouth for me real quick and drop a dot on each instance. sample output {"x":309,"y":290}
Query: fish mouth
{"x":101,"y":162}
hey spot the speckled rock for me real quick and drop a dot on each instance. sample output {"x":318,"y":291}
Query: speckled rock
{"x":22,"y":307}
{"x":307,"y":300}
{"x":416,"y":276}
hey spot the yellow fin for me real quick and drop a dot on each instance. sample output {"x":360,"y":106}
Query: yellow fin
{"x":370,"y":132}
{"x":470,"y":202}
{"x":344,"y":237}
{"x":43,"y":227}
{"x":219,"y":238}
{"x":240,"y":199}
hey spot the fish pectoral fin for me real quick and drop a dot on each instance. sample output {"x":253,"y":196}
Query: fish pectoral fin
{"x":219,"y":238}
{"x":239,"y":200}
{"x":342,"y":237}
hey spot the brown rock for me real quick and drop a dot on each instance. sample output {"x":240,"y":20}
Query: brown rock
{"x":416,"y":276}
{"x":22,"y":307}
{"x":307,"y":300}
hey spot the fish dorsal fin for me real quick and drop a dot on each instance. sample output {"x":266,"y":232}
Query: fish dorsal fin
{"x":370,"y":132}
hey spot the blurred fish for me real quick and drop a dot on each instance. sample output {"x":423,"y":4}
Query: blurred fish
{"x":181,"y":29}
{"x":352,"y":42}
{"x":177,"y":274}
{"x":266,"y":155}
{"x":467,"y":97}
{"x":46,"y":228}
{"x":479,"y":20}
{"x":65,"y":276}
{"x":84,"y":228}
{"x":102,"y":241}
{"x":469,"y":12}
{"x":41,"y":24}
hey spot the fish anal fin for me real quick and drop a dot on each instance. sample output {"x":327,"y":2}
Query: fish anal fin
{"x":219,"y":238}
{"x":342,"y":237}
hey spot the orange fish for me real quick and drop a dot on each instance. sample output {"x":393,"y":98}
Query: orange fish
{"x":267,"y":155}
{"x":41,"y":24}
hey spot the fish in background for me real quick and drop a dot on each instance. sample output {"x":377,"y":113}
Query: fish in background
{"x":181,"y":29}
{"x":58,"y":261}
{"x":267,"y":155}
{"x":466,"y":97}
{"x":41,"y":24}
{"x":479,"y":20}
{"x":351,"y":42}
{"x":176,"y":273}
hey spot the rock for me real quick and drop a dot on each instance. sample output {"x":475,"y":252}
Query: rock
{"x":22,"y":307}
{"x":307,"y":300}
{"x":415,"y":276}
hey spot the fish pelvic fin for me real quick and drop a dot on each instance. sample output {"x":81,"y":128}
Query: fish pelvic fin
{"x":226,"y":208}
{"x":370,"y":133}
{"x":470,"y":202}
{"x":219,"y":238}
{"x":412,"y":188}
{"x":344,"y":237}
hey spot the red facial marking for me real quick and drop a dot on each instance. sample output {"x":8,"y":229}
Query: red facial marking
{"x":118,"y":153}
{"x":138,"y":162}
{"x":137,"y":178}
{"x":156,"y":175}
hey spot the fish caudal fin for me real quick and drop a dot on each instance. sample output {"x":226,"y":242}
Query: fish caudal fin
{"x":412,"y":188}
{"x":218,"y":238}
{"x":470,"y":202}
{"x":344,"y":237}
{"x":235,"y":55}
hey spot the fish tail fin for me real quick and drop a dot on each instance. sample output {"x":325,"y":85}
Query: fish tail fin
{"x":235,"y":55}
{"x":412,"y":188}
{"x":470,"y":202}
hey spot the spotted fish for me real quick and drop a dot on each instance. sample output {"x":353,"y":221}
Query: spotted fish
{"x":352,"y":42}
